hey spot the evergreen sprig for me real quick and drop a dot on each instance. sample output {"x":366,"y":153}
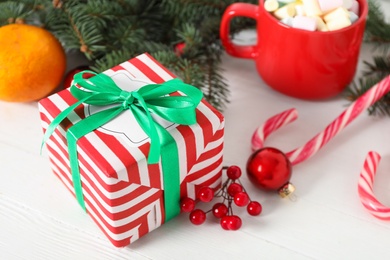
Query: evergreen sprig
{"x":109,"y":32}
{"x":377,"y":29}
{"x":378,"y":33}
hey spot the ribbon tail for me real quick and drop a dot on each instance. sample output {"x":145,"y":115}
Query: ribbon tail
{"x":164,"y":145}
{"x":74,"y":168}
{"x":145,"y":120}
{"x":56,"y":121}
{"x":171,"y":177}
{"x":77,"y":131}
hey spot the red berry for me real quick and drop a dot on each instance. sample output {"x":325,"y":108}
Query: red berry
{"x":187,"y":204}
{"x":197,"y":217}
{"x":205,"y":194}
{"x":254,"y":208}
{"x":241,"y":199}
{"x":220,"y":210}
{"x":225,"y":222}
{"x":235,"y":222}
{"x":234,"y":188}
{"x":232,"y":222}
{"x":179,"y":48}
{"x":233,"y":172}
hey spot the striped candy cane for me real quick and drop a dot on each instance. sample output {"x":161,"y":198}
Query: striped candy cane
{"x":271,"y":125}
{"x":312,"y":146}
{"x":366,"y":179}
{"x":365,"y":188}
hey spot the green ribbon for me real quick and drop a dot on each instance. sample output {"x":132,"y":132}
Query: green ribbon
{"x":101,"y":90}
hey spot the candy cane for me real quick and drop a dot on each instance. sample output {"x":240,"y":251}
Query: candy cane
{"x":366,"y":179}
{"x":311,"y":147}
{"x":365,"y":188}
{"x":271,"y":125}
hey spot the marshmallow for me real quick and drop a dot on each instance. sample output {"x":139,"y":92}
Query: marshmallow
{"x":287,"y":21}
{"x":353,"y":17}
{"x":271,"y":5}
{"x":299,"y":10}
{"x":338,"y":23}
{"x":314,"y":15}
{"x":355,"y":7}
{"x":321,"y":26}
{"x":311,"y":7}
{"x":347,"y":4}
{"x":329,"y":5}
{"x":335,"y":14}
{"x":286,"y":11}
{"x":304,"y":23}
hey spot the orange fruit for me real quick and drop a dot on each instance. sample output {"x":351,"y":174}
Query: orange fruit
{"x":32,"y":63}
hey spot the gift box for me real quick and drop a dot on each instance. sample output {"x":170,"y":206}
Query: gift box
{"x":125,"y":194}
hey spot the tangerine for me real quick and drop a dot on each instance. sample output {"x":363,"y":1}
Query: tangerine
{"x":32,"y":63}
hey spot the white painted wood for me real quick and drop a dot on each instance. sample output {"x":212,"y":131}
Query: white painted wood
{"x":39,"y":219}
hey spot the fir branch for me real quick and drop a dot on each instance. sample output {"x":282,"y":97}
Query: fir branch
{"x":167,"y":57}
{"x":189,"y":10}
{"x":86,"y":29}
{"x":111,"y":59}
{"x":216,"y":91}
{"x":380,"y":67}
{"x":13,"y":12}
{"x":190,"y":35}
{"x":125,"y":34}
{"x":377,"y":32}
{"x":109,"y":32}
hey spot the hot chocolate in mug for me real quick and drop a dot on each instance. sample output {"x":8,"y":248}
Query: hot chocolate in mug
{"x":299,"y":63}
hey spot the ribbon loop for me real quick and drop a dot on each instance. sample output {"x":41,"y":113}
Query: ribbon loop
{"x":101,"y":90}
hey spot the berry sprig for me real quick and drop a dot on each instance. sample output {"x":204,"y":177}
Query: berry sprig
{"x":232,"y":192}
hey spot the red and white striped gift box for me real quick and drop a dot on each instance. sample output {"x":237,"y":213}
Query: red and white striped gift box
{"x":123,"y":194}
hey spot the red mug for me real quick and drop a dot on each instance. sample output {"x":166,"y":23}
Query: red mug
{"x":295,"y":62}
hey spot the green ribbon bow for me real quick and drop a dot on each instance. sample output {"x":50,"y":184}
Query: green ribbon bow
{"x":101,"y":90}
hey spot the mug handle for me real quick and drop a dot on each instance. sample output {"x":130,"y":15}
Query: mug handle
{"x":235,"y":10}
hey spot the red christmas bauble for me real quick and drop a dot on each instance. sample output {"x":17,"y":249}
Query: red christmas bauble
{"x":269,"y":168}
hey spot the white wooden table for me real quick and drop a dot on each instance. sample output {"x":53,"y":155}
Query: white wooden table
{"x":39,"y":219}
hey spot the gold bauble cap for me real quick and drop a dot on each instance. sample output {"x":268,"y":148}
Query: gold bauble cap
{"x":286,"y":190}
